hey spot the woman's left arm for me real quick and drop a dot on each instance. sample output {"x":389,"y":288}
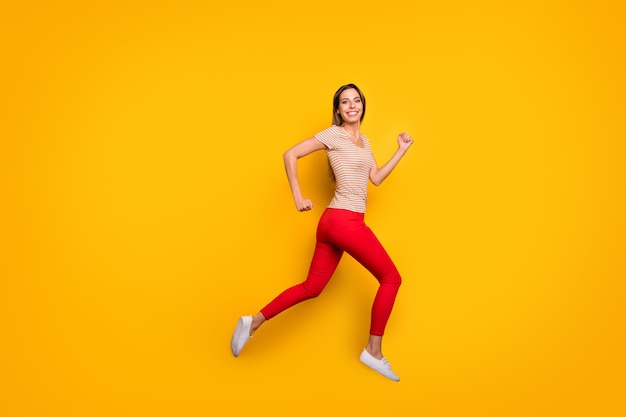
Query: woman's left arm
{"x":378,"y":175}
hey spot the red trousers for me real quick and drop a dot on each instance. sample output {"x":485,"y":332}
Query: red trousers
{"x":338,"y":231}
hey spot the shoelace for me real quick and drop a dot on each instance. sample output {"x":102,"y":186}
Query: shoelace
{"x":386,"y":363}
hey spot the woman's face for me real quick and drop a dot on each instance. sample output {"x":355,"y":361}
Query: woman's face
{"x":350,"y":106}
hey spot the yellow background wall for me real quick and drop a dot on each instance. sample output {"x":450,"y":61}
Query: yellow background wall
{"x":145,"y":207}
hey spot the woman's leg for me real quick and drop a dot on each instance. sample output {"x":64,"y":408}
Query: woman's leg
{"x":358,"y":240}
{"x":325,"y":260}
{"x":326,"y":257}
{"x":362,"y":245}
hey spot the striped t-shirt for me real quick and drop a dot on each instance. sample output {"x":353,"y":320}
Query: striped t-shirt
{"x":351,"y":165}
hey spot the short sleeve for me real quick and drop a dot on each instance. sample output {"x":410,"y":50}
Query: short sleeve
{"x":328,"y":137}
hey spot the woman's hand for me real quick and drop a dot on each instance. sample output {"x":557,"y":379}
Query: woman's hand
{"x":378,"y":175}
{"x":404,"y":141}
{"x":304,"y":204}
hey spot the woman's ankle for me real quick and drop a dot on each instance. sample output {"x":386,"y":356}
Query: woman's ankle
{"x":374,"y":346}
{"x":257,"y":321}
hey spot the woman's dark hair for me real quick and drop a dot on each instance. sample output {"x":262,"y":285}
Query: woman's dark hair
{"x":337,"y":120}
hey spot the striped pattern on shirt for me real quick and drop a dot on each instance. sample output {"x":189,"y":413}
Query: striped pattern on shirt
{"x":351,"y":165}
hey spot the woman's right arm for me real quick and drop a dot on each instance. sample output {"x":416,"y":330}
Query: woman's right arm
{"x":291,"y":157}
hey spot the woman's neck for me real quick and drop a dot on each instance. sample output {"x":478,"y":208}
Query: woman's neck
{"x":352,"y":128}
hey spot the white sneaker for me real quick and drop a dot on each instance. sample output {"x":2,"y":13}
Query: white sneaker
{"x":382,"y":366}
{"x":241,"y":334}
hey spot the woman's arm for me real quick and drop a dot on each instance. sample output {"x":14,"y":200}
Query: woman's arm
{"x":291,"y":157}
{"x":378,"y":175}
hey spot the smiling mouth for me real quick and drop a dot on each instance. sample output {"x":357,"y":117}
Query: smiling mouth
{"x":353,"y":113}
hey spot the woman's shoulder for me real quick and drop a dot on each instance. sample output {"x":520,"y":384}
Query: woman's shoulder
{"x":332,"y":131}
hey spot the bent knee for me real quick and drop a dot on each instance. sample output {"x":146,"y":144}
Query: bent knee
{"x":392,"y":279}
{"x":397,"y":280}
{"x":311,"y":291}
